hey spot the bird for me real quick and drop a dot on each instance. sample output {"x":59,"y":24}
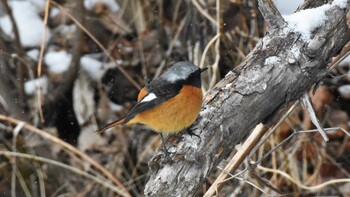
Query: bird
{"x":168,"y":104}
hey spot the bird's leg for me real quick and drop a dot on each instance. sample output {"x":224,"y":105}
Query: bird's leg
{"x":163,"y":143}
{"x":190,"y":132}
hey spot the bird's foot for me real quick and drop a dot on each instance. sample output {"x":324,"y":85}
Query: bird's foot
{"x":166,"y":152}
{"x":190,"y":132}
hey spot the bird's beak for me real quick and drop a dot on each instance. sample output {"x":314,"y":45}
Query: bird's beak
{"x":204,"y":69}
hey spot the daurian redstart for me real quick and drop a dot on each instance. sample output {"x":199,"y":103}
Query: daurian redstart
{"x":169,"y":103}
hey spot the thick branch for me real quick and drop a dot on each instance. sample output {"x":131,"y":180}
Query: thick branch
{"x":273,"y":18}
{"x":278,"y":71}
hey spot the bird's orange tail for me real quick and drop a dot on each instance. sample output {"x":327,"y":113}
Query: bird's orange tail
{"x":110,"y":125}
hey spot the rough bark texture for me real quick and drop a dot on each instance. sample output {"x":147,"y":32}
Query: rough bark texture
{"x":278,"y":71}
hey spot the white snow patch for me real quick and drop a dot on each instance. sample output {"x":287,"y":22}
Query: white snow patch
{"x":344,"y":91}
{"x":111,"y":4}
{"x":93,"y":67}
{"x":115,"y":107}
{"x":33,"y":54}
{"x":6,"y":26}
{"x":295,"y":51}
{"x":193,"y":143}
{"x":228,"y":86}
{"x":39,"y":4}
{"x":287,"y":7}
{"x":57,"y":61}
{"x":149,"y":97}
{"x":28,"y":21}
{"x":306,"y":21}
{"x":206,"y":111}
{"x":128,"y":49}
{"x":341,"y":3}
{"x":113,"y":64}
{"x":83,"y":99}
{"x":229,"y":73}
{"x":67,"y":29}
{"x":272,"y":60}
{"x":31,"y":85}
{"x":54,"y":12}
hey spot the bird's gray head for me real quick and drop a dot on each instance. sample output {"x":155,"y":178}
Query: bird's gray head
{"x":180,"y":71}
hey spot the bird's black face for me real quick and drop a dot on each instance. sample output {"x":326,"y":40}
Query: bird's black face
{"x":183,"y":73}
{"x":194,"y":79}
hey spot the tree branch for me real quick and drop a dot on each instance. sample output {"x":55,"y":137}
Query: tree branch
{"x":272,"y":16}
{"x":278,"y":71}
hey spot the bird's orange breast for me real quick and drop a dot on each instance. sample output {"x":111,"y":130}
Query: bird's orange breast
{"x":174,"y":114}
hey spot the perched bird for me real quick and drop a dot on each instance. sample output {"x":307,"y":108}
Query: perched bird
{"x":169,"y":103}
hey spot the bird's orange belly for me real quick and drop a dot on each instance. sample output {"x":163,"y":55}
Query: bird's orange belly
{"x":175,"y":114}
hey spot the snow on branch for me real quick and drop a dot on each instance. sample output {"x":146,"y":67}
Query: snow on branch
{"x":306,"y":21}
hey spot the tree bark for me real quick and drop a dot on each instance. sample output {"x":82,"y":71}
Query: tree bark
{"x":277,"y":72}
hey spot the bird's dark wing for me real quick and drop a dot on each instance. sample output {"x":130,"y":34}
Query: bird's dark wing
{"x":161,"y":89}
{"x":141,"y":107}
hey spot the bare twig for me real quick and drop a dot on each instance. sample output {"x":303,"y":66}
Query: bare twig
{"x":255,"y":186}
{"x":176,"y":11}
{"x":300,"y":185}
{"x":93,"y":38}
{"x":41,"y":182}
{"x":140,"y":27}
{"x":204,"y":13}
{"x":327,"y":129}
{"x":40,"y":61}
{"x":211,"y":42}
{"x":23,"y":184}
{"x":171,"y":46}
{"x":343,"y":54}
{"x":16,"y":130}
{"x":306,"y":103}
{"x":68,"y":147}
{"x":215,"y":66}
{"x":65,"y":166}
{"x":273,"y":130}
{"x":236,"y":161}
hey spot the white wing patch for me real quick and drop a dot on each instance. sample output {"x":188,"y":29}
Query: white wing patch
{"x":149,"y":97}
